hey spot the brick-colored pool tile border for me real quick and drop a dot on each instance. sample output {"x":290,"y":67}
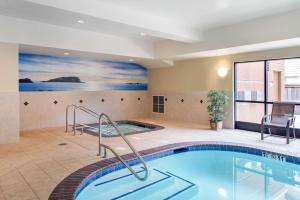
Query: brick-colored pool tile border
{"x":68,"y":188}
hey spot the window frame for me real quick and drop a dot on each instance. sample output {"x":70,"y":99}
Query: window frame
{"x":249,"y":125}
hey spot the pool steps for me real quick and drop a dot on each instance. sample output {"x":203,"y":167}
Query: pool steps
{"x":159,"y":185}
{"x":125,"y":185}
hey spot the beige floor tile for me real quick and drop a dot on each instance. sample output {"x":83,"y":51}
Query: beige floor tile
{"x":18,"y":191}
{"x":54,"y":170}
{"x":11,"y":178}
{"x":1,"y":195}
{"x":89,"y":160}
{"x":43,"y":188}
{"x":33,"y":174}
{"x":71,"y":164}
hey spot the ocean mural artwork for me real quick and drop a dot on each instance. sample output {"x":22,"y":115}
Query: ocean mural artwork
{"x":53,"y":73}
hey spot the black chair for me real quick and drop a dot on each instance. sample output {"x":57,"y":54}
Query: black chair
{"x":282,"y":117}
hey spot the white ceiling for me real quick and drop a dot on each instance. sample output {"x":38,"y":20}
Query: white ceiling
{"x":99,"y":17}
{"x":205,"y":14}
{"x":51,"y":15}
{"x":179,"y":20}
{"x":175,"y":29}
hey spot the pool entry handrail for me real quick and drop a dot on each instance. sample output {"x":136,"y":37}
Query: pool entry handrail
{"x":101,"y":118}
{"x":75,"y":125}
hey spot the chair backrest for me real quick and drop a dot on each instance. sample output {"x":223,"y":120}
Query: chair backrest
{"x":282,"y":112}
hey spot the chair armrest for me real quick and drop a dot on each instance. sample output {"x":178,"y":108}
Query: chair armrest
{"x":291,"y":121}
{"x":265,"y":118}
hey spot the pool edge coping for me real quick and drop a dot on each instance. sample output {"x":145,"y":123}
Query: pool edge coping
{"x":73,"y":184}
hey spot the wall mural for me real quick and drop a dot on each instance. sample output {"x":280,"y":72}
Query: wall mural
{"x":52,"y":73}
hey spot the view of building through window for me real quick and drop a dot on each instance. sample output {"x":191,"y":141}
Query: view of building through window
{"x":280,"y":79}
{"x":292,"y":79}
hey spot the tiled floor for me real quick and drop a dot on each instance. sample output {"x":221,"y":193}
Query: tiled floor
{"x":33,"y":167}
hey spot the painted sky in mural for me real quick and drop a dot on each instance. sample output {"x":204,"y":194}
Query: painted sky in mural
{"x":51,"y":73}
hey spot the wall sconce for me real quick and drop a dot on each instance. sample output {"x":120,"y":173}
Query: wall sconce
{"x":222,"y":72}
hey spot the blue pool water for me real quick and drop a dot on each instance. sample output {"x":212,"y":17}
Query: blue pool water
{"x":207,"y":175}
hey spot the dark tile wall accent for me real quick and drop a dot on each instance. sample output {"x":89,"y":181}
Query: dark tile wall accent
{"x":103,"y":100}
{"x":72,"y":185}
{"x":26,"y":103}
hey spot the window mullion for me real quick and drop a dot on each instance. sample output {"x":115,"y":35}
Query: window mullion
{"x":266,"y":85}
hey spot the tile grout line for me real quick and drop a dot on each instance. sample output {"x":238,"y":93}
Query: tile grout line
{"x":59,"y":163}
{"x":47,"y":173}
{"x":2,"y":192}
{"x":75,"y":143}
{"x":29,"y":185}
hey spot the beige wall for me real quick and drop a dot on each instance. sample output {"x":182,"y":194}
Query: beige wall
{"x":190,"y":80}
{"x":9,"y":93}
{"x":188,"y":77}
{"x":9,"y":67}
{"x":190,"y":110}
{"x":42,"y":112}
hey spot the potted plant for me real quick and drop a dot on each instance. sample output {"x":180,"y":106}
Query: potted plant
{"x":217,"y":101}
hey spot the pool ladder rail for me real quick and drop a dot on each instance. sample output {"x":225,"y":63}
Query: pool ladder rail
{"x":105,"y":118}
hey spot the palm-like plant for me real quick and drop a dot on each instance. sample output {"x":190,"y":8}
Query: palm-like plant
{"x":217,"y":101}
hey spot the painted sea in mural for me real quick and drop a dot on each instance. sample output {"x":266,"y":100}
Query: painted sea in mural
{"x":51,"y":73}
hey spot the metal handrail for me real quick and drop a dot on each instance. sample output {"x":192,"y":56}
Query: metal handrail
{"x":89,"y":111}
{"x":128,"y":143}
{"x":75,"y":107}
{"x":67,"y":116}
{"x":100,"y":117}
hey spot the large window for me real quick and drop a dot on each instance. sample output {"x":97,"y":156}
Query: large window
{"x":260,"y":83}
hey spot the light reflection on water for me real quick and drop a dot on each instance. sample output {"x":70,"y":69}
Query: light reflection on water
{"x":265,"y":180}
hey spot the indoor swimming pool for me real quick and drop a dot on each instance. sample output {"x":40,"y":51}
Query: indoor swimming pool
{"x":201,"y":174}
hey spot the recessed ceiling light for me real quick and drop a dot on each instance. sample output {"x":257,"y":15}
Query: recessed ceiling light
{"x":66,"y":53}
{"x":80,"y":21}
{"x":143,"y":34}
{"x":131,"y":60}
